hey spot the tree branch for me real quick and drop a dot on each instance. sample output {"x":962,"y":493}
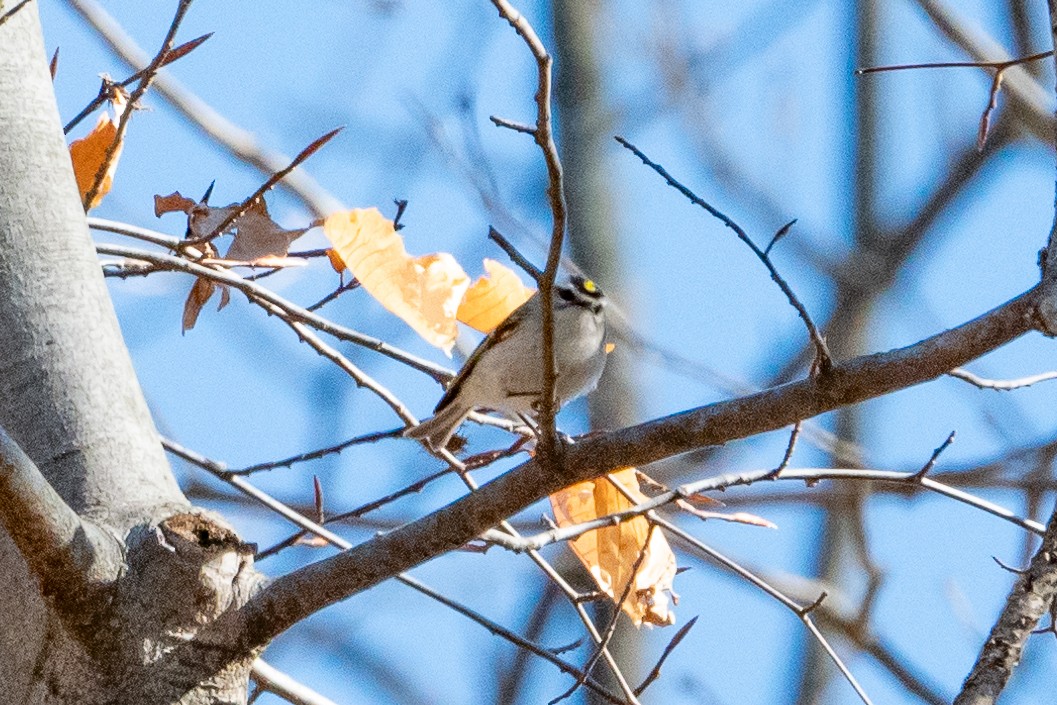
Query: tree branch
{"x":543,"y":134}
{"x":1030,"y":599}
{"x":297,"y":595}
{"x":60,"y":550}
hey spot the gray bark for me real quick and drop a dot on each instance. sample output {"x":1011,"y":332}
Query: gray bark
{"x":108,"y":578}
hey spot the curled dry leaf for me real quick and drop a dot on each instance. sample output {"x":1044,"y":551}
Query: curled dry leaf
{"x":201,"y":291}
{"x":493,"y":297}
{"x":90,"y":152}
{"x":336,"y":262}
{"x":611,"y":553}
{"x":423,"y":291}
{"x":259,"y":241}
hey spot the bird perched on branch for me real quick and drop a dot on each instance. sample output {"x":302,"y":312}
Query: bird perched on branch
{"x":505,"y":372}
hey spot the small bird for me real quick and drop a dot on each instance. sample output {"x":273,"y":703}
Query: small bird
{"x":505,"y":372}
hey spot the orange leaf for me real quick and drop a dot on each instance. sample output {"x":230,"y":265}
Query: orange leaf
{"x":174,"y":202}
{"x":493,"y":297}
{"x":336,"y":261}
{"x":611,"y":553}
{"x":422,"y":291}
{"x":200,"y":293}
{"x":90,"y":152}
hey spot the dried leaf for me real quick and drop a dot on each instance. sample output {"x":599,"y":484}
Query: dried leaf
{"x":258,"y":238}
{"x":184,"y":49}
{"x":422,"y":291}
{"x":200,"y":293}
{"x":336,"y":261}
{"x":174,"y":202}
{"x":90,"y":152}
{"x":611,"y":553}
{"x":493,"y":297}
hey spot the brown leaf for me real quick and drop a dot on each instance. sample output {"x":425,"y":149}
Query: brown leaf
{"x":183,"y":50}
{"x":336,"y":261}
{"x":174,"y":202}
{"x":200,"y":293}
{"x":257,"y":236}
{"x":611,"y":553}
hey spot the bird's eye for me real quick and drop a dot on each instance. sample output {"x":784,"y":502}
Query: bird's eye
{"x":589,"y":286}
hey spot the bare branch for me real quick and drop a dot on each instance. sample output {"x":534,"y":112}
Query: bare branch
{"x":271,"y":679}
{"x":239,"y":142}
{"x":145,"y":81}
{"x":294,"y":311}
{"x":308,"y":525}
{"x":825,"y":361}
{"x":67,"y":555}
{"x":544,"y":136}
{"x":1029,"y":600}
{"x":803,"y":612}
{"x":1003,"y":385}
{"x":288,"y":599}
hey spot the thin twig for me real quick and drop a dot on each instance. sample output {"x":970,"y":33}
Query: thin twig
{"x":265,"y":187}
{"x":271,"y":679}
{"x":655,"y":672}
{"x":920,"y":474}
{"x":107,"y":85}
{"x":347,"y":286}
{"x":515,"y":256}
{"x":1003,"y":385}
{"x":999,"y":65}
{"x":11,"y":13}
{"x":825,"y":360}
{"x":133,"y":101}
{"x":511,"y":125}
{"x":320,"y":452}
{"x":543,"y":134}
{"x":790,"y":448}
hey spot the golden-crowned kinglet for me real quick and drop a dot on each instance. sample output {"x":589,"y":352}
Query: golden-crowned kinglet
{"x":505,"y":372}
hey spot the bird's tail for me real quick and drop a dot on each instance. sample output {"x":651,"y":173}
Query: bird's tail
{"x":438,"y":430}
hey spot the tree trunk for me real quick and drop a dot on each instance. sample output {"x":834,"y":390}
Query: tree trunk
{"x":108,"y":577}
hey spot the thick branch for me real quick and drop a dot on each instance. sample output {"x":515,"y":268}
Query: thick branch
{"x":1030,"y":599}
{"x":58,"y":548}
{"x":293,"y":597}
{"x":1036,"y":589}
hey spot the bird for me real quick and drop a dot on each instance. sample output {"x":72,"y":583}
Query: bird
{"x":505,"y":372}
